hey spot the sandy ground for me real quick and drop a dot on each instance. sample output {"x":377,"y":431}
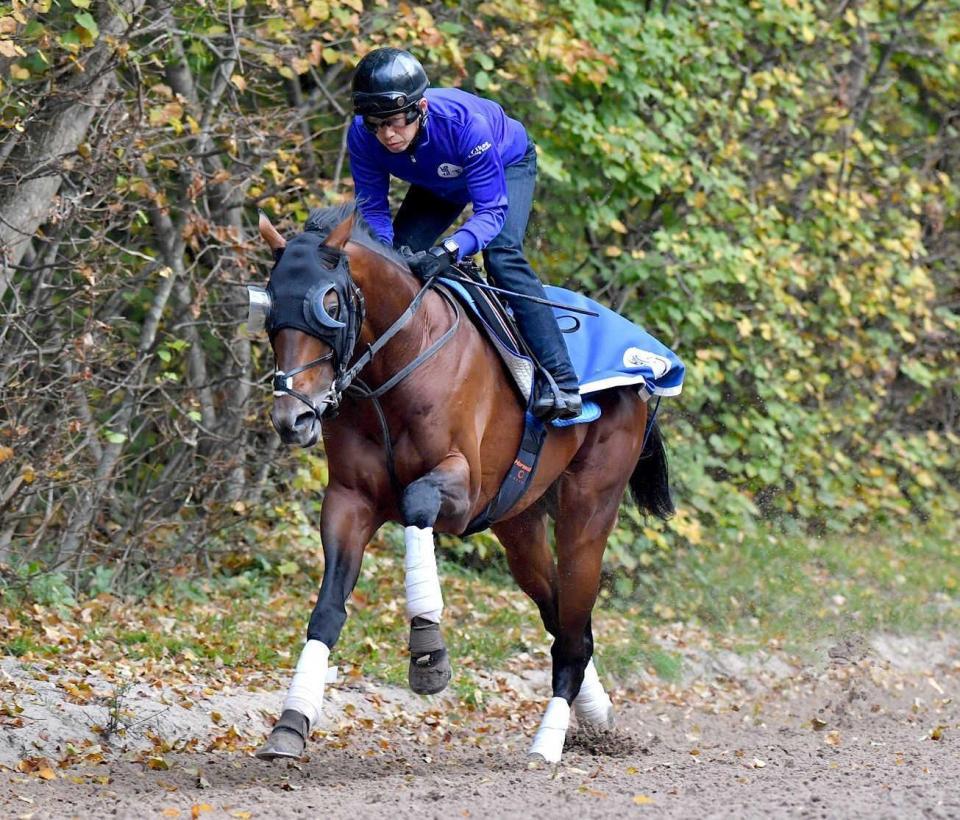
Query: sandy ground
{"x":857,"y":729}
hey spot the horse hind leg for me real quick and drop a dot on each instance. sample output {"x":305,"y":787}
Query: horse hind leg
{"x":592,"y":706}
{"x":532,"y":565}
{"x":580,"y":544}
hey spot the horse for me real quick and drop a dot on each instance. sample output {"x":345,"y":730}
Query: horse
{"x":425,"y":439}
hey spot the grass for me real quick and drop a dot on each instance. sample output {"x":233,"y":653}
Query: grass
{"x":799,"y":590}
{"x":741,"y":596}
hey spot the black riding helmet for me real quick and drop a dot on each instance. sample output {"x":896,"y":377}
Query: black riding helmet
{"x":388,"y":81}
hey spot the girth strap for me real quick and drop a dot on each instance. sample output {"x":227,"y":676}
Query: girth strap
{"x":518,"y":477}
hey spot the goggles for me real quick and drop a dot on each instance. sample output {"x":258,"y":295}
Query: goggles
{"x":374,"y":124}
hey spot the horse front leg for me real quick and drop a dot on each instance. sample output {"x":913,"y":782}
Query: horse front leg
{"x":347,"y":522}
{"x":443,"y":492}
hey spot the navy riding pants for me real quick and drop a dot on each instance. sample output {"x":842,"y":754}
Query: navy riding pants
{"x":424,"y":217}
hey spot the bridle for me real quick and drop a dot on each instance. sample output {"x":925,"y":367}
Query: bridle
{"x":342,"y":344}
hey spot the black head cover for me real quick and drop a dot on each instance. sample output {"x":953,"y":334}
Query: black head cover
{"x":300,"y":289}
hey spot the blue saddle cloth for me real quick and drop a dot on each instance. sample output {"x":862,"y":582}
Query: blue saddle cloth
{"x":610,"y":351}
{"x":606,"y":350}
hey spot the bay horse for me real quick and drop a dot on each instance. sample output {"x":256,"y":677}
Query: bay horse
{"x":425,"y":439}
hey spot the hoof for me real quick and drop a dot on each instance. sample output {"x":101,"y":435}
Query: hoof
{"x":596,"y":726}
{"x":430,"y":673}
{"x":281,"y":744}
{"x":288,"y":738}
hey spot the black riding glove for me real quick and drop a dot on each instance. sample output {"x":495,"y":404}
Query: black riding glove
{"x":434,"y":262}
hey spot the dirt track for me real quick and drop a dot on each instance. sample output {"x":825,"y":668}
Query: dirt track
{"x":860,"y":732}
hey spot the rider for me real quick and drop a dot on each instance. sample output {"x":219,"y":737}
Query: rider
{"x":455,"y":148}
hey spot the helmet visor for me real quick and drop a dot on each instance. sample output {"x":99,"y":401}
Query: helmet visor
{"x":382,"y":103}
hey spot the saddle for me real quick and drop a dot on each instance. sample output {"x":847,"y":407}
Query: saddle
{"x":495,"y":319}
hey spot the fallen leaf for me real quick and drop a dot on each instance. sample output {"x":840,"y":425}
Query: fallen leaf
{"x":643,"y":800}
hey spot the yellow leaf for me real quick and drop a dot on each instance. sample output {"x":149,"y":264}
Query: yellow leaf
{"x":18,"y":72}
{"x":6,"y":453}
{"x":47,"y":774}
{"x":10,"y":49}
{"x":613,"y":250}
{"x":643,"y":800}
{"x":239,"y":82}
{"x":618,"y":226}
{"x":319,"y":10}
{"x":171,"y":812}
{"x":356,"y":5}
{"x":198,"y":808}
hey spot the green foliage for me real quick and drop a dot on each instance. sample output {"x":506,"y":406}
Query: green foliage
{"x":729,"y":176}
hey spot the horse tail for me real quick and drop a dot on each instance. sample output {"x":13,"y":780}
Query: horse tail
{"x":650,"y":481}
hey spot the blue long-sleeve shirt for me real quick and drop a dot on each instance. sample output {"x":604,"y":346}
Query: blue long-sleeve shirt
{"x":466,"y":144}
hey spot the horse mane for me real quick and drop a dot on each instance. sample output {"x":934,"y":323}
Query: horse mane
{"x":324,"y":220}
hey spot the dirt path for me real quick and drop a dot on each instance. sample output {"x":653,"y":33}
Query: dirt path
{"x":860,"y":731}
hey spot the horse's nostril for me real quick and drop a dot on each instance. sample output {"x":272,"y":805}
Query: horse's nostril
{"x":303,"y":420}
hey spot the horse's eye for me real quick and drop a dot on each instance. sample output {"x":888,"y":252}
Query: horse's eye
{"x":331,"y":304}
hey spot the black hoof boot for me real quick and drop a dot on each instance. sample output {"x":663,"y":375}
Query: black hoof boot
{"x":288,"y":738}
{"x":429,"y":670}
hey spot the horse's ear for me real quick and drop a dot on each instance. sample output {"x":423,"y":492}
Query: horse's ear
{"x":340,"y":235}
{"x":270,"y":234}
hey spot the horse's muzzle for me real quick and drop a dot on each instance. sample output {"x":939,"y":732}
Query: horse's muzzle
{"x":296,"y":424}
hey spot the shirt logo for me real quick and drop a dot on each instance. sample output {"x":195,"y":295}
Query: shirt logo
{"x":634,"y":357}
{"x":476,"y":152}
{"x":448,"y":171}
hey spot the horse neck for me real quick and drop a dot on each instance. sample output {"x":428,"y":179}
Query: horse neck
{"x":388,"y":291}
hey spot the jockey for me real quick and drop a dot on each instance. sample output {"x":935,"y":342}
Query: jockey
{"x":455,"y":148}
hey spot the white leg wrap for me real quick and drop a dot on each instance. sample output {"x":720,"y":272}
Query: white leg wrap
{"x":306,"y":690}
{"x":424,"y":599}
{"x":592,"y":705}
{"x":553,"y":731}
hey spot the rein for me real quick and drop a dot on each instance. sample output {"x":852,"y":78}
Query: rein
{"x":348,"y":383}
